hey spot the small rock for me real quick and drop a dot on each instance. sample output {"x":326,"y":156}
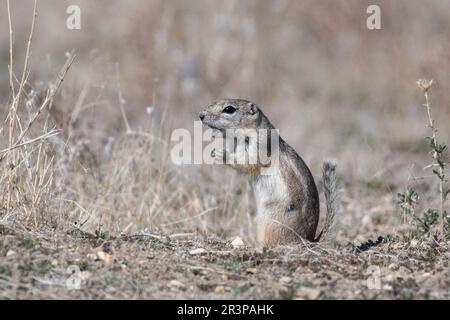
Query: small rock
{"x":176,"y":285}
{"x":285,"y":280}
{"x":198,"y":252}
{"x":366,"y":220}
{"x":219,"y":289}
{"x":237,"y":242}
{"x":54,"y":263}
{"x":10,"y":253}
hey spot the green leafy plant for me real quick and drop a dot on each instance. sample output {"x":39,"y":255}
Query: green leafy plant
{"x":429,"y":219}
{"x":407,"y":202}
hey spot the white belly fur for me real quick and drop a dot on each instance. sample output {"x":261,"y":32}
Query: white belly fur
{"x":269,"y":190}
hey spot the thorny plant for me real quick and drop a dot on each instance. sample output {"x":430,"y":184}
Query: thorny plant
{"x":407,"y":200}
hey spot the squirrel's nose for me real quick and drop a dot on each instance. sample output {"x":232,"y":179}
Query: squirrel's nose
{"x":201,"y":115}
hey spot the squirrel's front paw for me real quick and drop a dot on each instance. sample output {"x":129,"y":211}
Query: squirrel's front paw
{"x":218,"y":155}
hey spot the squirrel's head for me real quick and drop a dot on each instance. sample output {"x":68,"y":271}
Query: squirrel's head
{"x":231,"y":114}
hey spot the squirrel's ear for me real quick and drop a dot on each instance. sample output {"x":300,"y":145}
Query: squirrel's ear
{"x":252,"y":108}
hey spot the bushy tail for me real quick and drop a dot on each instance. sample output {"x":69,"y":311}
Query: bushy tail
{"x":330,"y":186}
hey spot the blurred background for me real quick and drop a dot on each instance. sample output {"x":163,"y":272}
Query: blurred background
{"x":332,"y":87}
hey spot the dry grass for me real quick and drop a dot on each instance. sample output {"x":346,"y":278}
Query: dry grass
{"x":85,"y":161}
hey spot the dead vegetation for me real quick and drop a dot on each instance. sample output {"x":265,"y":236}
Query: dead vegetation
{"x":91,"y":197}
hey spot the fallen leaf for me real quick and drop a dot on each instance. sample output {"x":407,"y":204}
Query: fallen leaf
{"x":105,"y":257}
{"x":250,"y":270}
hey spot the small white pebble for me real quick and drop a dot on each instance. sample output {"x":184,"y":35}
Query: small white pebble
{"x":237,"y":242}
{"x":198,"y":252}
{"x":285,"y":280}
{"x":150,"y":110}
{"x":10,"y":253}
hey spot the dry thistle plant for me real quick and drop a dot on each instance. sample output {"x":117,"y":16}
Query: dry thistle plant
{"x":438,"y":155}
{"x":409,"y":198}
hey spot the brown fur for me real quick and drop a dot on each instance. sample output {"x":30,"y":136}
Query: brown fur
{"x":287,"y":199}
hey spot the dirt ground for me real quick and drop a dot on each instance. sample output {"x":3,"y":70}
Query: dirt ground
{"x":184,"y":266}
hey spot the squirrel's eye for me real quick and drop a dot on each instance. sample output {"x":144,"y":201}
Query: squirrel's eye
{"x":229,"y":109}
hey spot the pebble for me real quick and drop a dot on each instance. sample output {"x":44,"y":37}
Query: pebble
{"x":219,"y":289}
{"x":237,"y":242}
{"x":285,"y":280}
{"x":10,"y":253}
{"x":198,"y":252}
{"x":176,"y":284}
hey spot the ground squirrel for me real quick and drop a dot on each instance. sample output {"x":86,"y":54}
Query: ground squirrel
{"x":287,"y":200}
